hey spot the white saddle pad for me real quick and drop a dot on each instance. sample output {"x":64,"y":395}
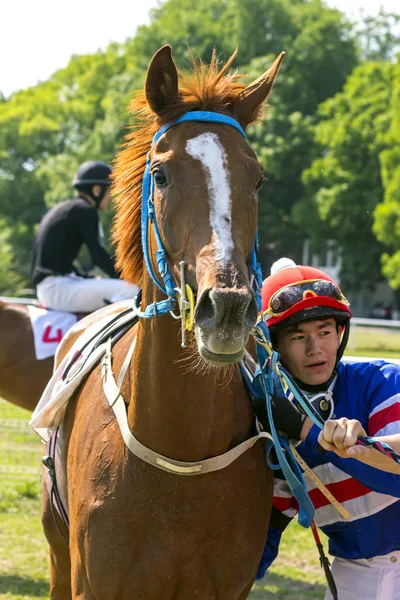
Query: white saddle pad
{"x":49,"y":327}
{"x":85,"y":352}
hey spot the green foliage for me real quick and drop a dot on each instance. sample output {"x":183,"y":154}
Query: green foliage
{"x":48,"y":130}
{"x":379,"y":36}
{"x":80,"y":114}
{"x":387,"y":214}
{"x":187,"y":27}
{"x":320,"y":56}
{"x":344,"y":184}
{"x":9,"y":279}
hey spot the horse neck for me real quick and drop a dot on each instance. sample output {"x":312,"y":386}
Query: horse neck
{"x":176,"y":409}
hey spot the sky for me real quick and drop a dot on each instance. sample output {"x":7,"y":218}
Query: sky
{"x":38,"y":37}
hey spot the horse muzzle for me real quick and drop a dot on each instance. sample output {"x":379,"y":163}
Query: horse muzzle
{"x":223,"y":319}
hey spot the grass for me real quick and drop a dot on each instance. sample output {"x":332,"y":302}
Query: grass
{"x":295,"y":575}
{"x":23,"y":548}
{"x":374,"y":342}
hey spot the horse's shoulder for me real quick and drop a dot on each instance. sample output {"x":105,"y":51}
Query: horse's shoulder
{"x":80,"y":327}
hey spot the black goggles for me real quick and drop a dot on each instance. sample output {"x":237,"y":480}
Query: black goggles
{"x":294,"y":293}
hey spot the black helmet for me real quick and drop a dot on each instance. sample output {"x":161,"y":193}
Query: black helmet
{"x":92,"y":172}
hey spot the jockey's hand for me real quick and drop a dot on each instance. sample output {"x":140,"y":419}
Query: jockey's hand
{"x":340,"y":436}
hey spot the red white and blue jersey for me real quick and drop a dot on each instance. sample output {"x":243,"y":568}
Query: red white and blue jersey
{"x":370,"y":393}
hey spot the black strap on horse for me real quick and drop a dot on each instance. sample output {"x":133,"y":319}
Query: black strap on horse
{"x":49,"y":462}
{"x":102,"y":334}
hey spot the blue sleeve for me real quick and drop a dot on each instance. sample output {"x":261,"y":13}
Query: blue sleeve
{"x":270,"y":551}
{"x":372,"y":478}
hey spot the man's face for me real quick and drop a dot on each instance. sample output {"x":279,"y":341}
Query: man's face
{"x":105,"y":201}
{"x":308,"y":350}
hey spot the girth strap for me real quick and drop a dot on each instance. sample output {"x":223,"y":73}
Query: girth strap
{"x":170,"y":465}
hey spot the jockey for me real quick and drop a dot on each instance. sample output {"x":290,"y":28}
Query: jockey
{"x":308,"y":319}
{"x":61,"y":234}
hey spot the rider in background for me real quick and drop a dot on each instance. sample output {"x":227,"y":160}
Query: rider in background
{"x":308,"y":318}
{"x":61,"y":234}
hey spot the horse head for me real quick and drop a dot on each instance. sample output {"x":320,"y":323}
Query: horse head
{"x":205,"y":181}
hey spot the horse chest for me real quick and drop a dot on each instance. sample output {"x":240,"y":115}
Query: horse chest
{"x":170,"y":530}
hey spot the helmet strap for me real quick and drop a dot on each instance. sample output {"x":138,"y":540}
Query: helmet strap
{"x":96,"y":199}
{"x":100,"y":197}
{"x":343,"y":343}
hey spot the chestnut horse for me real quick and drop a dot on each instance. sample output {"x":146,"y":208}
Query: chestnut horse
{"x":137,"y":531}
{"x":22,"y":377}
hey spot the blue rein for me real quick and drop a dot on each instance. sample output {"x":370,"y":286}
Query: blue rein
{"x":168,"y":287}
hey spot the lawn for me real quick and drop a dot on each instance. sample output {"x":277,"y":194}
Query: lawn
{"x":374,"y":342}
{"x":295,"y":575}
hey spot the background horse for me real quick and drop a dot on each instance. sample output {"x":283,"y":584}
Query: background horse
{"x":135,"y":530}
{"x":22,"y":377}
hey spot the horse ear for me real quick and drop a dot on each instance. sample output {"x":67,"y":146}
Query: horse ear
{"x":161,"y":86}
{"x":249,"y":100}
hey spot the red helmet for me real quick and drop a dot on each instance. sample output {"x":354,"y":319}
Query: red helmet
{"x":295,"y":293}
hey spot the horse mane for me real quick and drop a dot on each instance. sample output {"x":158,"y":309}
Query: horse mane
{"x":208,"y":88}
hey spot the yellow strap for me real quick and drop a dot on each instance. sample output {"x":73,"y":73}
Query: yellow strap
{"x":318,"y":483}
{"x":188,"y":315}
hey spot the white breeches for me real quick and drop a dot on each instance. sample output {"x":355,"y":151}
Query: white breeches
{"x":376,"y":578}
{"x":72,"y":293}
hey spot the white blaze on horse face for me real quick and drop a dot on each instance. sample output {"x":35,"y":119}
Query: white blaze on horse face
{"x":209,"y":151}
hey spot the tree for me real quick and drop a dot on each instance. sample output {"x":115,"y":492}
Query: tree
{"x":387,"y":213}
{"x":320,"y":56}
{"x":46,"y":132}
{"x":344,"y":184}
{"x":189,"y":28}
{"x":80,"y":112}
{"x":378,"y":36}
{"x":9,"y":280}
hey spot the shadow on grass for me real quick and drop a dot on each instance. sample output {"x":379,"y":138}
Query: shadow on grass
{"x":282,"y":587}
{"x":16,"y":584}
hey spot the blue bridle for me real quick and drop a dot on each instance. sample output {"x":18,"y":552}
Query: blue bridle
{"x":148,"y":214}
{"x":169,"y":288}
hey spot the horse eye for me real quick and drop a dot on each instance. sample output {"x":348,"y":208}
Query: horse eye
{"x":260,"y":182}
{"x":159,"y":177}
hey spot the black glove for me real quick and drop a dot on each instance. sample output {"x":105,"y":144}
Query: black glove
{"x":288,"y":419}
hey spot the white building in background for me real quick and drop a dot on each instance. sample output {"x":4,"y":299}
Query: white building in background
{"x":329,"y":261}
{"x":363,"y":303}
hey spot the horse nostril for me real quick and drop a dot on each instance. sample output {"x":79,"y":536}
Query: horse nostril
{"x":219,"y":307}
{"x":205,"y":312}
{"x":251,"y":313}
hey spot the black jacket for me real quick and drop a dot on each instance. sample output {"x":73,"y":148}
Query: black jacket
{"x":62,"y":232}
